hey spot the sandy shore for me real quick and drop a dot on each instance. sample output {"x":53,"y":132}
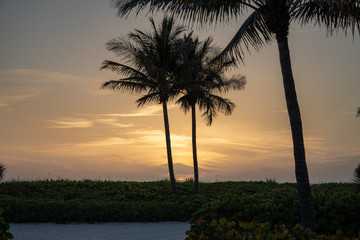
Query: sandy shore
{"x":104,"y":231}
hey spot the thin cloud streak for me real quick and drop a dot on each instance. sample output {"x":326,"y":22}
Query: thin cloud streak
{"x":9,"y":96}
{"x":18,"y":75}
{"x":107,"y":142}
{"x":71,"y":123}
{"x":149,"y":111}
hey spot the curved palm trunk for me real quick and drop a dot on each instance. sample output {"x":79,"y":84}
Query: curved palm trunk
{"x":301,"y":172}
{"x":196,"y":169}
{"x":168,"y":149}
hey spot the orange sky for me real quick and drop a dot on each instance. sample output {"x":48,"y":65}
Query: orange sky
{"x":56,"y":122}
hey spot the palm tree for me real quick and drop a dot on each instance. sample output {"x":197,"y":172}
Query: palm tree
{"x":268,"y":20}
{"x":150,"y":60}
{"x":357,"y":178}
{"x":199,"y":80}
{"x":2,"y":171}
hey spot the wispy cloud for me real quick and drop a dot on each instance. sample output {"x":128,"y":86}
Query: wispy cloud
{"x":71,"y":123}
{"x":157,"y":138}
{"x":33,"y":75}
{"x":107,"y":142}
{"x":9,"y":96}
{"x":22,"y":84}
{"x":148,"y":111}
{"x":113,"y":122}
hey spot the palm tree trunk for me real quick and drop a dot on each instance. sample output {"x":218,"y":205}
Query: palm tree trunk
{"x":196,"y":169}
{"x":301,"y":172}
{"x":168,"y":149}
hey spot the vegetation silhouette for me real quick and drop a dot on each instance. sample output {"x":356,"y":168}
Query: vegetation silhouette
{"x":201,"y":83}
{"x":269,"y":19}
{"x":150,"y":61}
{"x":357,"y":178}
{"x":2,"y":171}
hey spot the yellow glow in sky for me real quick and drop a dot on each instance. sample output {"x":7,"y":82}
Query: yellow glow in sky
{"x":56,"y":122}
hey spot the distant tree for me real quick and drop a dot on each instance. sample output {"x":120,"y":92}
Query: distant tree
{"x":268,"y":20}
{"x":150,"y":61}
{"x":357,"y":177}
{"x":200,"y":83}
{"x":2,"y":171}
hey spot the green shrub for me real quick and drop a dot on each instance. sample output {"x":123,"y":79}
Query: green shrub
{"x":336,"y":207}
{"x":4,"y":228}
{"x":222,"y":229}
{"x":336,"y":204}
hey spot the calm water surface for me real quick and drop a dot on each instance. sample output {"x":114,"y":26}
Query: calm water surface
{"x":103,"y":231}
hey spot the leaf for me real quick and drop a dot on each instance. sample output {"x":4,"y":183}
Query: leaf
{"x":223,"y":221}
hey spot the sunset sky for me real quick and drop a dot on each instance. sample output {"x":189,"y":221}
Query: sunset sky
{"x":56,"y":122}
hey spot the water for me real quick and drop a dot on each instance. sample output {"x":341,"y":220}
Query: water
{"x":101,"y":231}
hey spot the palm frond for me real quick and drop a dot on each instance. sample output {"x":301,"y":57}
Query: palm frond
{"x":2,"y":171}
{"x":185,"y":103}
{"x":121,"y":69}
{"x":334,"y":15}
{"x":201,"y":11}
{"x":209,"y":108}
{"x":252,"y":33}
{"x":236,"y":82}
{"x":148,"y":98}
{"x":211,"y":104}
{"x":127,"y":84}
{"x":125,"y":7}
{"x":223,"y":105}
{"x":357,"y":177}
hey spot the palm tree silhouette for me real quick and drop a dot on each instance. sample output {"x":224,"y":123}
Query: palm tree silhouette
{"x":2,"y":171}
{"x":150,"y":60}
{"x":269,"y":19}
{"x":199,"y":80}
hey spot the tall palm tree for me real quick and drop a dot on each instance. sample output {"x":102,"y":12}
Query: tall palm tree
{"x":2,"y":171}
{"x":150,"y":60}
{"x":199,"y":80}
{"x":268,"y":20}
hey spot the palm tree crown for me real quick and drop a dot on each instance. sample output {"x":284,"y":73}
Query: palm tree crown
{"x":150,"y":59}
{"x":149,"y":62}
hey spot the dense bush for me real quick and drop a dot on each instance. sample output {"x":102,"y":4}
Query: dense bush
{"x":222,"y":229}
{"x":276,"y":207}
{"x":94,"y":201}
{"x":4,"y":228}
{"x":337,"y":205}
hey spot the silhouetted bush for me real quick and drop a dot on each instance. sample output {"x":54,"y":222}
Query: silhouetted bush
{"x":222,"y":229}
{"x":337,"y":204}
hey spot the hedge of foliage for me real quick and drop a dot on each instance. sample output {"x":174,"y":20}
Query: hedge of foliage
{"x":223,"y":229}
{"x":337,"y":205}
